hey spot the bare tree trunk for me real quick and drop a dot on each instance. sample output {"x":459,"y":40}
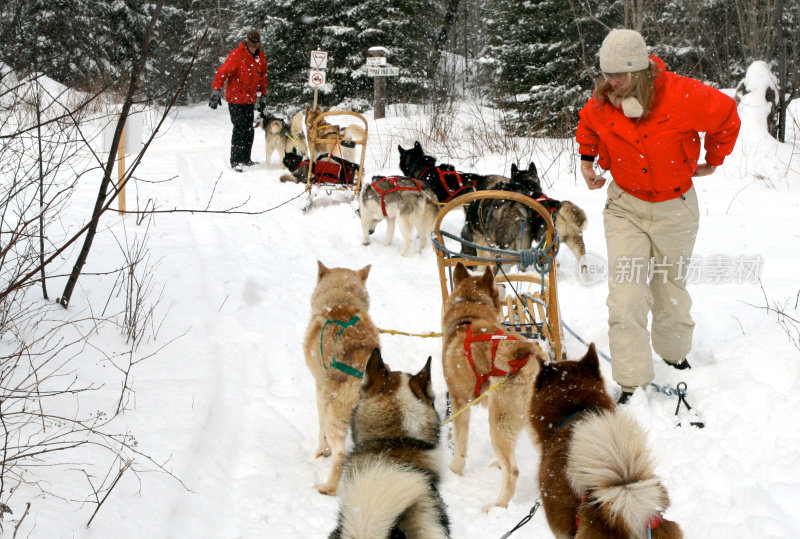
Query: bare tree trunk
{"x":102,"y":194}
{"x":780,"y":50}
{"x":41,"y":184}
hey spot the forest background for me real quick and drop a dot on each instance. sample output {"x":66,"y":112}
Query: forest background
{"x":534,"y":61}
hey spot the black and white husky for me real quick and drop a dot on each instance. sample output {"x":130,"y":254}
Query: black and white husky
{"x":390,"y":481}
{"x":401,"y":198}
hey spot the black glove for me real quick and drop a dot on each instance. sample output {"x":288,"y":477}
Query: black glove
{"x":215,"y":100}
{"x":261,"y":104}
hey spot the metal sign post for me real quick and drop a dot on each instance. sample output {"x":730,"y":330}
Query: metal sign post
{"x":316,"y":78}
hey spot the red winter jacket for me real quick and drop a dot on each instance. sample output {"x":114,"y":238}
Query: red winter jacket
{"x":654,"y":159}
{"x":246,"y":75}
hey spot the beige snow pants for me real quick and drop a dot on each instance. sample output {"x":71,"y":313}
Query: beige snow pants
{"x":649,"y":248}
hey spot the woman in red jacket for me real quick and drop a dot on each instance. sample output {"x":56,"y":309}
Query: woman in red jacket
{"x":642,"y":124}
{"x":245,"y":71}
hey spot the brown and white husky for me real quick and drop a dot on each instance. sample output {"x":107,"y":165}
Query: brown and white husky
{"x":596,"y":475}
{"x":391,"y":477}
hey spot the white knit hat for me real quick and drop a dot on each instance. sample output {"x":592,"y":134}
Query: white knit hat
{"x":623,"y":51}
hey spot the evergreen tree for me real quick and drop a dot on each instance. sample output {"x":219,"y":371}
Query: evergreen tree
{"x":541,"y":58}
{"x":287,"y":29}
{"x":186,"y":28}
{"x":77,"y":42}
{"x":409,"y":30}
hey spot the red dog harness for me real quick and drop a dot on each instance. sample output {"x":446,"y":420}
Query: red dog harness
{"x":452,"y":187}
{"x":516,"y":364}
{"x":392,"y":187}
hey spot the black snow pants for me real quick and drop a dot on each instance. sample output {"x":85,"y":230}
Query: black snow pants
{"x":243,"y":132}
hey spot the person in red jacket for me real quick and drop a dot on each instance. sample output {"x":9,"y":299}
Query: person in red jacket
{"x":642,"y":124}
{"x":245,"y":71}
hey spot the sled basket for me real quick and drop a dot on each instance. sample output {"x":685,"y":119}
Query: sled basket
{"x":332,"y":169}
{"x":530,"y":300}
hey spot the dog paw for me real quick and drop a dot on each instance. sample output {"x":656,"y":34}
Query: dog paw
{"x":327,"y":489}
{"x":489,"y":507}
{"x":326,"y":452}
{"x":495,"y":464}
{"x":457,"y":466}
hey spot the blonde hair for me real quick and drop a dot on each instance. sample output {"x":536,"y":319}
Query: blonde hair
{"x":642,"y":87}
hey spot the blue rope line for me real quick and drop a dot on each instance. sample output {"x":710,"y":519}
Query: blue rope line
{"x":537,"y":256}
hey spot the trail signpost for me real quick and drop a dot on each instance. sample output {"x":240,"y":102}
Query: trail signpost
{"x":383,"y":71}
{"x":378,"y":67}
{"x":316,"y":77}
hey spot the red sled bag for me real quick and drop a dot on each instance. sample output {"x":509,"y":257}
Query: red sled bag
{"x":332,"y":169}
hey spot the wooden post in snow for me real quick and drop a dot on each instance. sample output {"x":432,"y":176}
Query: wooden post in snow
{"x":380,"y":82}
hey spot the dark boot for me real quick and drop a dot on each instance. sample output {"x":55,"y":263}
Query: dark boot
{"x":624,"y":397}
{"x":682,"y":365}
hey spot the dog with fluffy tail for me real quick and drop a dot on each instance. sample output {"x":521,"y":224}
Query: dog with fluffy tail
{"x":390,"y":481}
{"x":596,"y":476}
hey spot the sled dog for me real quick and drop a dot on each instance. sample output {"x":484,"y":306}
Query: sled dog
{"x":476,"y":355}
{"x":445,"y":180}
{"x":514,"y":226}
{"x":398,"y":197}
{"x":327,"y":169}
{"x":596,"y":474}
{"x":276,"y":135}
{"x":391,"y":476}
{"x":296,"y":139}
{"x":337,"y":141}
{"x":297,"y":165}
{"x":338,"y":342}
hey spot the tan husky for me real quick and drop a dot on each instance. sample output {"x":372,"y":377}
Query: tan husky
{"x":476,"y":355}
{"x":338,"y":343}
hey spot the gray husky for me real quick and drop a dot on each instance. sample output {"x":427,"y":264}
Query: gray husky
{"x":398,"y":197}
{"x":390,"y":481}
{"x":514,"y":226}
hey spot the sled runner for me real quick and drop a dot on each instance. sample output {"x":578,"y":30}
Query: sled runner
{"x":337,"y":153}
{"x":530,"y":300}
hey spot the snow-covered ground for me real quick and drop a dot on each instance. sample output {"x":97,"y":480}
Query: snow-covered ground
{"x":229,"y":405}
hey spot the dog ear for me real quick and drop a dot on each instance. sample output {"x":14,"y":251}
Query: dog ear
{"x":532,"y":169}
{"x":460,"y":273}
{"x":488,"y":278}
{"x":363,"y":273}
{"x":321,"y":270}
{"x":401,"y":150}
{"x":547,"y":373}
{"x":417,"y":145}
{"x":375,"y":374}
{"x":514,"y":169}
{"x":590,"y":361}
{"x":420,"y":383}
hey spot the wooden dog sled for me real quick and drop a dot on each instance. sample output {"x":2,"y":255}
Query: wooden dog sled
{"x":329,"y":146}
{"x":530,"y":301}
